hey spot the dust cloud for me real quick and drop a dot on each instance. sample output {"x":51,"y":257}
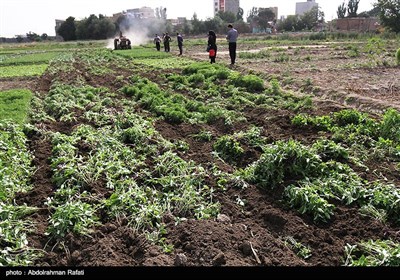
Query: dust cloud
{"x":138,"y":31}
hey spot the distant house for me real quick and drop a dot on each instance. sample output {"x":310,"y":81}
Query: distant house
{"x":256,"y":29}
{"x":58,"y":24}
{"x":178,"y":21}
{"x":226,"y":6}
{"x":144,"y":12}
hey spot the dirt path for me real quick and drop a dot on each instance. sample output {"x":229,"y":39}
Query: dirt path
{"x":18,"y":83}
{"x":347,"y":81}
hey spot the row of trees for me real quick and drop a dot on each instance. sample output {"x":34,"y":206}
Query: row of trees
{"x":101,"y":27}
{"x":33,"y":37}
{"x":310,"y":20}
{"x":93,"y":27}
{"x":350,"y":9}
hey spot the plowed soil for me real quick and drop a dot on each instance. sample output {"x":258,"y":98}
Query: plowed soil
{"x":250,"y":236}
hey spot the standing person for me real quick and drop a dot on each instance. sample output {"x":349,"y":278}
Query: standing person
{"x":212,"y":46}
{"x":167,"y":39}
{"x":157,"y":41}
{"x":232,"y":38}
{"x":163,"y":40}
{"x":179,"y":38}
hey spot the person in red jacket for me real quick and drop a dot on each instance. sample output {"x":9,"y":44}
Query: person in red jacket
{"x":212,"y":46}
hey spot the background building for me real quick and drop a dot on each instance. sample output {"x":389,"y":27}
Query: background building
{"x":302,"y":7}
{"x":358,"y":24}
{"x":226,"y":6}
{"x":144,"y":12}
{"x":58,"y":24}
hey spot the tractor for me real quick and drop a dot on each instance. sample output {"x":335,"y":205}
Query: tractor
{"x":122,"y":43}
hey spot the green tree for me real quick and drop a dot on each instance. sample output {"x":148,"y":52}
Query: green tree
{"x":389,"y":14}
{"x":187,"y":27}
{"x":107,"y":28}
{"x":290,"y":23}
{"x":227,"y":16}
{"x":122,"y":23}
{"x":341,"y":11}
{"x":32,"y":36}
{"x":168,"y":27}
{"x":95,"y":28}
{"x":67,"y":29}
{"x":43,"y":36}
{"x":19,"y":39}
{"x":371,"y":13}
{"x":197,"y":25}
{"x":309,"y":20}
{"x":252,"y":14}
{"x":91,"y":24}
{"x":239,"y":15}
{"x":212,"y":24}
{"x":264,"y":17}
{"x":241,"y":27}
{"x":352,"y":8}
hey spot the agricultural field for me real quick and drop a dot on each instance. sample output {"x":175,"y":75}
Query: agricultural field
{"x":143,"y":158}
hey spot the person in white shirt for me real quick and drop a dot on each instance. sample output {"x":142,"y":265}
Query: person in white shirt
{"x":232,"y":38}
{"x":157,"y":41}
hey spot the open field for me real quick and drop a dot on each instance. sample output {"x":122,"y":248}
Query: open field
{"x":140,"y":158}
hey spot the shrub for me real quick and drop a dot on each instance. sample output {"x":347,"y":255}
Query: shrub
{"x":177,"y":79}
{"x":174,"y":115}
{"x":346,"y":117}
{"x":223,"y":74}
{"x":390,"y":126}
{"x":398,"y":57}
{"x":197,"y":78}
{"x":131,"y":91}
{"x":228,"y":148}
{"x":133,"y":135}
{"x":213,"y":115}
{"x":251,"y":82}
{"x":73,"y":216}
{"x":328,"y":150}
{"x":204,"y":135}
{"x":284,"y":160}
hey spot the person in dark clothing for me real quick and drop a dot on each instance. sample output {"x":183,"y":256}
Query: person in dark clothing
{"x":212,"y":46}
{"x":157,"y":41}
{"x":179,"y":38}
{"x":232,"y":37}
{"x":166,"y":40}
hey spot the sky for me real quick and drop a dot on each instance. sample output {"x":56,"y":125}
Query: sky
{"x":18,"y":17}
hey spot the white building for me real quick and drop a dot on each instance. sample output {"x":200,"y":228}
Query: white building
{"x":303,"y":7}
{"x":226,"y":6}
{"x":144,"y":12}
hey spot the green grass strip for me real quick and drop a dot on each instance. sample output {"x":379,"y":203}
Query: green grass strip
{"x":14,"y":104}
{"x":30,"y":58}
{"x":23,"y":70}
